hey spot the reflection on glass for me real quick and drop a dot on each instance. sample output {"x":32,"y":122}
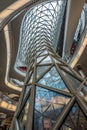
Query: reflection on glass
{"x":53,"y":79}
{"x":75,"y":120}
{"x":46,"y":60}
{"x":27,"y":90}
{"x":23,"y":115}
{"x":48,"y":106}
{"x":41,"y":70}
{"x":44,"y":53}
{"x":39,"y":59}
{"x":83,"y":93}
{"x":74,"y":83}
{"x":66,"y":68}
{"x":57,"y":61}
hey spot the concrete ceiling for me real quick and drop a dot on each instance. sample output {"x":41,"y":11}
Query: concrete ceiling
{"x":3,"y":61}
{"x":5,"y":3}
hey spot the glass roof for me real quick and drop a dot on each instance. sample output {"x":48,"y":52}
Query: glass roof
{"x":40,"y":24}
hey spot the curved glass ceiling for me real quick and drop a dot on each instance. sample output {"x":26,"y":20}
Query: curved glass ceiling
{"x":41,"y":24}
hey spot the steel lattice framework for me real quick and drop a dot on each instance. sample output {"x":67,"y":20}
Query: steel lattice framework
{"x":40,"y":24}
{"x":54,"y":96}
